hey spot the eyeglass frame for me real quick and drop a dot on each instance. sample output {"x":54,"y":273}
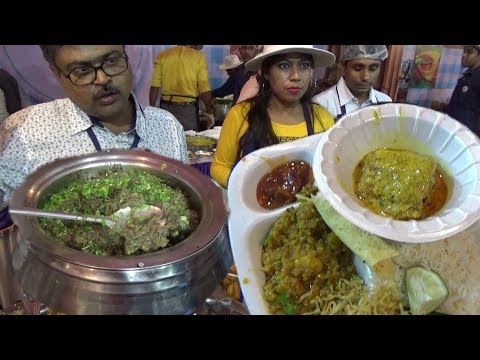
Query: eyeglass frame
{"x":95,"y":68}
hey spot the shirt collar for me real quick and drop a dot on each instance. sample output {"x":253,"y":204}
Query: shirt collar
{"x":346,"y":96}
{"x":469,"y":71}
{"x":83,"y":121}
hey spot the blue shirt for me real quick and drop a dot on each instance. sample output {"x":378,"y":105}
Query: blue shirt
{"x":234,"y":83}
{"x":464,"y":104}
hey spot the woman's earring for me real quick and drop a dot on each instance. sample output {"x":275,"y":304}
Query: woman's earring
{"x":265,"y":93}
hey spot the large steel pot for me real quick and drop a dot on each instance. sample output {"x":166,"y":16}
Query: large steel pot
{"x":175,"y":280}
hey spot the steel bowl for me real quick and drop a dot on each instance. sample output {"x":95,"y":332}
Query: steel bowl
{"x":175,"y":280}
{"x":194,"y":143}
{"x":221,"y":107}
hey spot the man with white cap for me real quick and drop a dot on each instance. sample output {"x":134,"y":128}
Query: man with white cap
{"x":242,"y":76}
{"x":464,"y":104}
{"x":250,"y":88}
{"x":355,"y":90}
{"x":236,"y":77}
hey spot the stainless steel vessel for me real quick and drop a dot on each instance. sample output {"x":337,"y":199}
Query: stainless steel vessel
{"x":221,"y":108}
{"x":175,"y":280}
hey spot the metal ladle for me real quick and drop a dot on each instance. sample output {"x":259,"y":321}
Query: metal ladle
{"x":117,"y":221}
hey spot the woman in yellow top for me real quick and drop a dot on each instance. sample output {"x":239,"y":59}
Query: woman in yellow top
{"x":281,"y":111}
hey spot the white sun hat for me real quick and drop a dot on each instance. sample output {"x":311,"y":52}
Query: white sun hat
{"x":320,"y":57}
{"x":230,"y":62}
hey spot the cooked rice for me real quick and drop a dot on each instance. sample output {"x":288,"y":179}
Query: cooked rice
{"x":456,"y":259}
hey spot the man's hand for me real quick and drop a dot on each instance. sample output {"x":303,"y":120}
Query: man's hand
{"x":207,"y":121}
{"x":211,"y":121}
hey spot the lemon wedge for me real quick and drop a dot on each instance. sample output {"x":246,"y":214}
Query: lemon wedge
{"x":426,"y":290}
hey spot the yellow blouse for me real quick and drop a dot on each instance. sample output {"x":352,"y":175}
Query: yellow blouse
{"x":235,"y":125}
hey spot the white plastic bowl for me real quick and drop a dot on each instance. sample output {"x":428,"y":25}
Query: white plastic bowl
{"x":412,"y":128}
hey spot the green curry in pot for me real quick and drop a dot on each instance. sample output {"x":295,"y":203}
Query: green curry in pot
{"x":109,"y":191}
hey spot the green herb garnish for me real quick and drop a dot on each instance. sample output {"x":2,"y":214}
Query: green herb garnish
{"x":289,"y":305}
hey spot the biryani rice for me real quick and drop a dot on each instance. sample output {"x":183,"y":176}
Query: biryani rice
{"x":456,"y":259}
{"x":310,"y":271}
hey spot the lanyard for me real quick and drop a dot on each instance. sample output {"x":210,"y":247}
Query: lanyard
{"x":5,"y":221}
{"x":95,"y":142}
{"x":343,"y":107}
{"x":95,"y":121}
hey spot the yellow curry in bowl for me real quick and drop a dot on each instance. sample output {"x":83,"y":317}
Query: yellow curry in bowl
{"x":199,"y":140}
{"x":400,"y":184}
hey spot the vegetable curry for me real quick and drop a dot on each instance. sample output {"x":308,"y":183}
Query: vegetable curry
{"x":400,"y":184}
{"x":109,"y":191}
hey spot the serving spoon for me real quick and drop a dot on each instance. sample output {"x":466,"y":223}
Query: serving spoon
{"x":118,"y":220}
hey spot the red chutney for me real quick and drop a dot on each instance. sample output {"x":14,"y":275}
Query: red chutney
{"x":279,"y":186}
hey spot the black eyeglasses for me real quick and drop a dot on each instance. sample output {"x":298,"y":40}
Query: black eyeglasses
{"x":86,"y":75}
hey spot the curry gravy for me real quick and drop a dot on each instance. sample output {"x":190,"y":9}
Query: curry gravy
{"x":396,"y":183}
{"x":279,"y":186}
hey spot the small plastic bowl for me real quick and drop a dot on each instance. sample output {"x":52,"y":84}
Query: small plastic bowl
{"x":408,"y":127}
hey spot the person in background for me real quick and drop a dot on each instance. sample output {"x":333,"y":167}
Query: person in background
{"x":355,"y":90}
{"x":281,"y":111}
{"x":233,"y":66}
{"x":180,"y":74}
{"x":249,"y":86}
{"x":464,"y":105}
{"x":100,"y":113}
{"x":9,"y":95}
{"x":250,"y":89}
{"x":333,"y":73}
{"x":248,"y":52}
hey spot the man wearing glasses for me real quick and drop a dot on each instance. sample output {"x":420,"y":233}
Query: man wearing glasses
{"x":100,"y":113}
